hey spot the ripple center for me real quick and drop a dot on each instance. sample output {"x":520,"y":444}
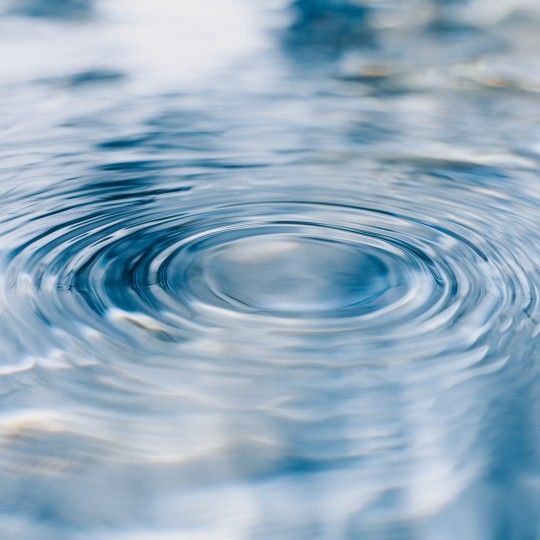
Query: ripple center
{"x":294,"y":275}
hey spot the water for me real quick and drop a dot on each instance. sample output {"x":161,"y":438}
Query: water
{"x":269,"y":270}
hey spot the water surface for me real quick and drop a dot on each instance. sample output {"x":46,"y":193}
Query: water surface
{"x":269,"y":270}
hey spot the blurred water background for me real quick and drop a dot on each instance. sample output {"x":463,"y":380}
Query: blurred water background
{"x":269,"y":269}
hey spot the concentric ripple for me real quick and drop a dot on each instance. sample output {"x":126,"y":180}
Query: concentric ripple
{"x":360,"y":272}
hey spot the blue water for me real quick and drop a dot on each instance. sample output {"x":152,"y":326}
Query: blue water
{"x":269,"y":270}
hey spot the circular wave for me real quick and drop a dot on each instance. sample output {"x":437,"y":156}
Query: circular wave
{"x":359,"y":272}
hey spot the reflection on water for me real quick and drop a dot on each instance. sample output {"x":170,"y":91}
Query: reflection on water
{"x":269,"y":270}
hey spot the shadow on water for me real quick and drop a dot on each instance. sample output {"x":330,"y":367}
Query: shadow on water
{"x":68,"y":10}
{"x":325,"y":28}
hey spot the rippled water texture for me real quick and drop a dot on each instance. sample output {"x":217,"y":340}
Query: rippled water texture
{"x":269,"y":270}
